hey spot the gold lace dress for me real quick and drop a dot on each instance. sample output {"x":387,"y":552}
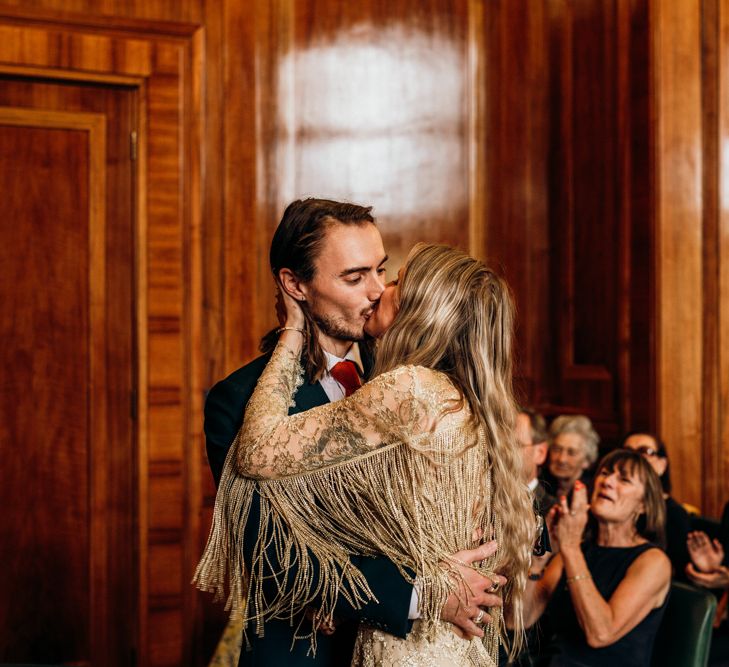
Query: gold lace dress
{"x":396,"y":469}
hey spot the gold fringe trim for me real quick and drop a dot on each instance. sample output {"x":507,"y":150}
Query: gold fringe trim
{"x":414,"y":503}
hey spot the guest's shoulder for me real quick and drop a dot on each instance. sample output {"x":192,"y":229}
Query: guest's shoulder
{"x":653,"y":556}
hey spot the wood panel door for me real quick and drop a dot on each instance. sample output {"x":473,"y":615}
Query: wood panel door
{"x":67,"y":539}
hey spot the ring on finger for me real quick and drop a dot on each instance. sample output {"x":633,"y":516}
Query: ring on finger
{"x":495,"y":585}
{"x":479,"y":617}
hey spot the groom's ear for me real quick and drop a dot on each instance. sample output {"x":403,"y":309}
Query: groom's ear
{"x":291,"y":284}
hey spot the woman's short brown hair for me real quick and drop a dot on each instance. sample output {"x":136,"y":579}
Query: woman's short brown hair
{"x":652,"y":523}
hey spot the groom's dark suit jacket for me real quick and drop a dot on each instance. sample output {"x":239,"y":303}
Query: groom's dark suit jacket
{"x":224,"y":409}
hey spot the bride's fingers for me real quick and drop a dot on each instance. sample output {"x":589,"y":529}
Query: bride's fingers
{"x":327,"y":629}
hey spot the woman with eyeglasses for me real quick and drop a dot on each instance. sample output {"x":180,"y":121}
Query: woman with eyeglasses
{"x":678,"y":524}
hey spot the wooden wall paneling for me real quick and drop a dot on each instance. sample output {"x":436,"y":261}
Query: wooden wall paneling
{"x":353,"y":101}
{"x":52,"y":503}
{"x":378,"y":113}
{"x":637,"y":300}
{"x":718,"y":445}
{"x":586,"y":222}
{"x":624,"y":172}
{"x":535,"y":230}
{"x":676,"y":87}
{"x":168,"y":220}
{"x":710,"y":95}
{"x":194,"y":120}
{"x":229,"y":165}
{"x":569,"y":200}
{"x":172,"y":16}
{"x":165,"y":309}
{"x":516,"y":124}
{"x":254,"y":36}
{"x":477,"y":128}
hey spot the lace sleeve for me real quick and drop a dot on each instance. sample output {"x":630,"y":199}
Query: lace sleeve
{"x":271,"y":444}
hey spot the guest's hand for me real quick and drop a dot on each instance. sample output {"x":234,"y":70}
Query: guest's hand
{"x":475,"y":591}
{"x":706,"y":555}
{"x":572,"y":518}
{"x":719,"y":578}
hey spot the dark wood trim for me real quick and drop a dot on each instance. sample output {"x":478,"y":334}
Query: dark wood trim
{"x":111,"y":25}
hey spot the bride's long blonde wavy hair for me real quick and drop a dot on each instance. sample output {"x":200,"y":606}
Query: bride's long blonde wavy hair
{"x":457,"y":316}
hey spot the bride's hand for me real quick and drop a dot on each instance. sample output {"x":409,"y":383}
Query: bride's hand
{"x":289,"y":310}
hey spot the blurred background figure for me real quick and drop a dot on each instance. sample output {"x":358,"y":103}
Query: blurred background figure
{"x":678,"y":523}
{"x":532,"y":434}
{"x":708,"y":569}
{"x":572,"y":451}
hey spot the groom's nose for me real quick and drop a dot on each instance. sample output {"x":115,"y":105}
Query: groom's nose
{"x":375,"y":287}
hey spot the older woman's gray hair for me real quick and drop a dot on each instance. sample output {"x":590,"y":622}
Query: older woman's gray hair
{"x":580,"y":425}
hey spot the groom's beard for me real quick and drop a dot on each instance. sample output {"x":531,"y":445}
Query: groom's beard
{"x":336,"y":328}
{"x":339,"y":328}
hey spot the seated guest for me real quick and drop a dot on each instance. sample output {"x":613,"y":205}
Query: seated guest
{"x":708,"y":569}
{"x":605,"y":591}
{"x":678,"y":523}
{"x":572,"y":450}
{"x":531,"y":433}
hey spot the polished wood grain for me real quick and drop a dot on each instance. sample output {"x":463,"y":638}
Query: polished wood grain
{"x":514,"y":185}
{"x":710,"y":95}
{"x":568,"y":202}
{"x":676,"y":29}
{"x":45,"y":489}
{"x":168,"y":15}
{"x":636,"y":250}
{"x":162,"y":76}
{"x":716,"y":259}
{"x":359,"y":102}
{"x":67,"y":325}
{"x":719,"y":463}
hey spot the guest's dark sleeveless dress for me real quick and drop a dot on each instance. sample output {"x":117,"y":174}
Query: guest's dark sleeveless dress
{"x":608,"y":566}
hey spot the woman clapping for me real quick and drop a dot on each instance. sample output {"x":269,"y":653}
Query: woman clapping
{"x":606,"y":589}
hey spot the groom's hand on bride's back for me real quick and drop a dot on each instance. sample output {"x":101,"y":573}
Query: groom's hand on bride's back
{"x":464,"y":606}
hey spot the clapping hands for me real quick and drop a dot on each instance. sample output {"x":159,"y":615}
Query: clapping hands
{"x":707,"y":556}
{"x":566,"y":522}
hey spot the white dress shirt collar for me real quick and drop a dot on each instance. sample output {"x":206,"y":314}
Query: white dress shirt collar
{"x":331,"y":387}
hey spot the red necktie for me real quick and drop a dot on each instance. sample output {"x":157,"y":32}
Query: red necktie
{"x":345,"y":372}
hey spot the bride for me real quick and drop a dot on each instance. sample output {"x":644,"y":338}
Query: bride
{"x":414,"y":465}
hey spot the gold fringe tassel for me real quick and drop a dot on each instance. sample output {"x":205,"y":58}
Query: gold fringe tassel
{"x":414,"y":504}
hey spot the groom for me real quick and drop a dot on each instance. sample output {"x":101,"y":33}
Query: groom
{"x":332,"y":254}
